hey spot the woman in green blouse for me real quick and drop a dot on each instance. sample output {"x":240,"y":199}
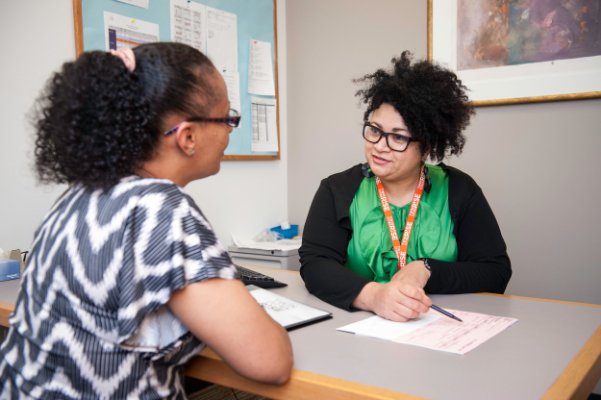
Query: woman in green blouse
{"x":350,"y":257}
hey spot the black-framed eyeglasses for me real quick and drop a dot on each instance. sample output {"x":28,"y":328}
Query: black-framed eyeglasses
{"x":233,"y":120}
{"x":395,"y":141}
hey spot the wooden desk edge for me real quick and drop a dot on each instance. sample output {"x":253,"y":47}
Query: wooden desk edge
{"x":581,"y":375}
{"x":301,"y":386}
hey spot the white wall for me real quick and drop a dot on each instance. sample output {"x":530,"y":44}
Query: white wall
{"x":28,"y":56}
{"x":248,"y":196}
{"x":243,"y":198}
{"x":538,"y":165}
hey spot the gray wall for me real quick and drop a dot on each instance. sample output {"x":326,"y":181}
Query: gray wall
{"x":536,"y":163}
{"x":330,"y":42}
{"x":538,"y":166}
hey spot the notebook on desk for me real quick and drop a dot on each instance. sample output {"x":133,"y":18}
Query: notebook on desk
{"x":286,"y":312}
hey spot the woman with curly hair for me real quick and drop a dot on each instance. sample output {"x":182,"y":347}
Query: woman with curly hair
{"x":381,"y":235}
{"x":126,"y":280}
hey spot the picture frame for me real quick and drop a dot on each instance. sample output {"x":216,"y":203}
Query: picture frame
{"x":524,"y":80}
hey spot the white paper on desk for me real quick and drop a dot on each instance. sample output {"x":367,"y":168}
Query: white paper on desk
{"x":284,"y":244}
{"x":264,"y":124}
{"x":189,"y":23}
{"x":382,"y":328}
{"x":222,"y":39}
{"x":121,"y":31}
{"x":260,"y":69}
{"x":284,"y":311}
{"x":444,"y":334}
{"x":232,"y":81}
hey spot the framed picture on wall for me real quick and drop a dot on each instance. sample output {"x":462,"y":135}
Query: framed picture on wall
{"x":510,"y":52}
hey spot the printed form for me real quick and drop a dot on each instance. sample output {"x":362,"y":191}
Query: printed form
{"x":434,"y":331}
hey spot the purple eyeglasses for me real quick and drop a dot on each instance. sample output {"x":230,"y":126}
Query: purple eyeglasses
{"x":233,"y":120}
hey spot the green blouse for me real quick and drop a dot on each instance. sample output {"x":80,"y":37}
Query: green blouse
{"x":370,"y":252}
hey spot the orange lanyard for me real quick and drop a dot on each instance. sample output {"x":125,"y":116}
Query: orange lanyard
{"x":400,"y":248}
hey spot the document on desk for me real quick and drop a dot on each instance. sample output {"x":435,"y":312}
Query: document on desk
{"x":286,"y":312}
{"x":434,"y":331}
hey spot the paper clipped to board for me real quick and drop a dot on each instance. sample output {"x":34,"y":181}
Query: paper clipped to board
{"x":434,"y":331}
{"x":260,"y":69}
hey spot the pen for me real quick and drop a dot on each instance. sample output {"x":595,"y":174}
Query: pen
{"x":448,"y":314}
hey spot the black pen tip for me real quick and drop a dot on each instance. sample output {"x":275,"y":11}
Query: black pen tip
{"x":457,"y":319}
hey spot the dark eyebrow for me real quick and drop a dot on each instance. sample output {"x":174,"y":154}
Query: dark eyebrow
{"x":393,"y":129}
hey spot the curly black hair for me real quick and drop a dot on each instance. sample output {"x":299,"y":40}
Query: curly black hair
{"x":431,"y":99}
{"x":96,"y":121}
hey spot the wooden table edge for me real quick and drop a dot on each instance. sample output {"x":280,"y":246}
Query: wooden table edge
{"x":302,"y":385}
{"x":581,"y":375}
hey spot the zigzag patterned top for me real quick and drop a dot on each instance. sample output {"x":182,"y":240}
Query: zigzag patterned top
{"x":91,"y":319}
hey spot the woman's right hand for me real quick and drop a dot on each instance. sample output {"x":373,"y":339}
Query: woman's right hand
{"x":395,"y":300}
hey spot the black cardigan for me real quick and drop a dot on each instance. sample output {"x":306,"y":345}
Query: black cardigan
{"x":482,"y":262}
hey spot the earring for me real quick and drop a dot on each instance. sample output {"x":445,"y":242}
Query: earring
{"x":428,"y":184}
{"x":191,"y":152}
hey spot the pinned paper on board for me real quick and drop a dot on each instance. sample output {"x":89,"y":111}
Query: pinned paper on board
{"x":232,"y":82}
{"x":189,"y":24}
{"x":260,"y":69}
{"x":264,"y":124}
{"x":222,"y":39}
{"x":137,"y":3}
{"x":121,"y":31}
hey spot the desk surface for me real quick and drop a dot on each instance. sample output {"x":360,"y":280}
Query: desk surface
{"x":553,"y":351}
{"x":522,"y":362}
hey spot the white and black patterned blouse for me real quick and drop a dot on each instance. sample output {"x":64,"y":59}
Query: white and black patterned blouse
{"x":91,"y":319}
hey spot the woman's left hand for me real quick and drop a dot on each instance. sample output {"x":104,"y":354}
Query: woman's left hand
{"x":415,"y":273}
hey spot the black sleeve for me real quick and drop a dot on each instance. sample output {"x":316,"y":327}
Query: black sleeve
{"x":482,"y":262}
{"x":323,"y":253}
